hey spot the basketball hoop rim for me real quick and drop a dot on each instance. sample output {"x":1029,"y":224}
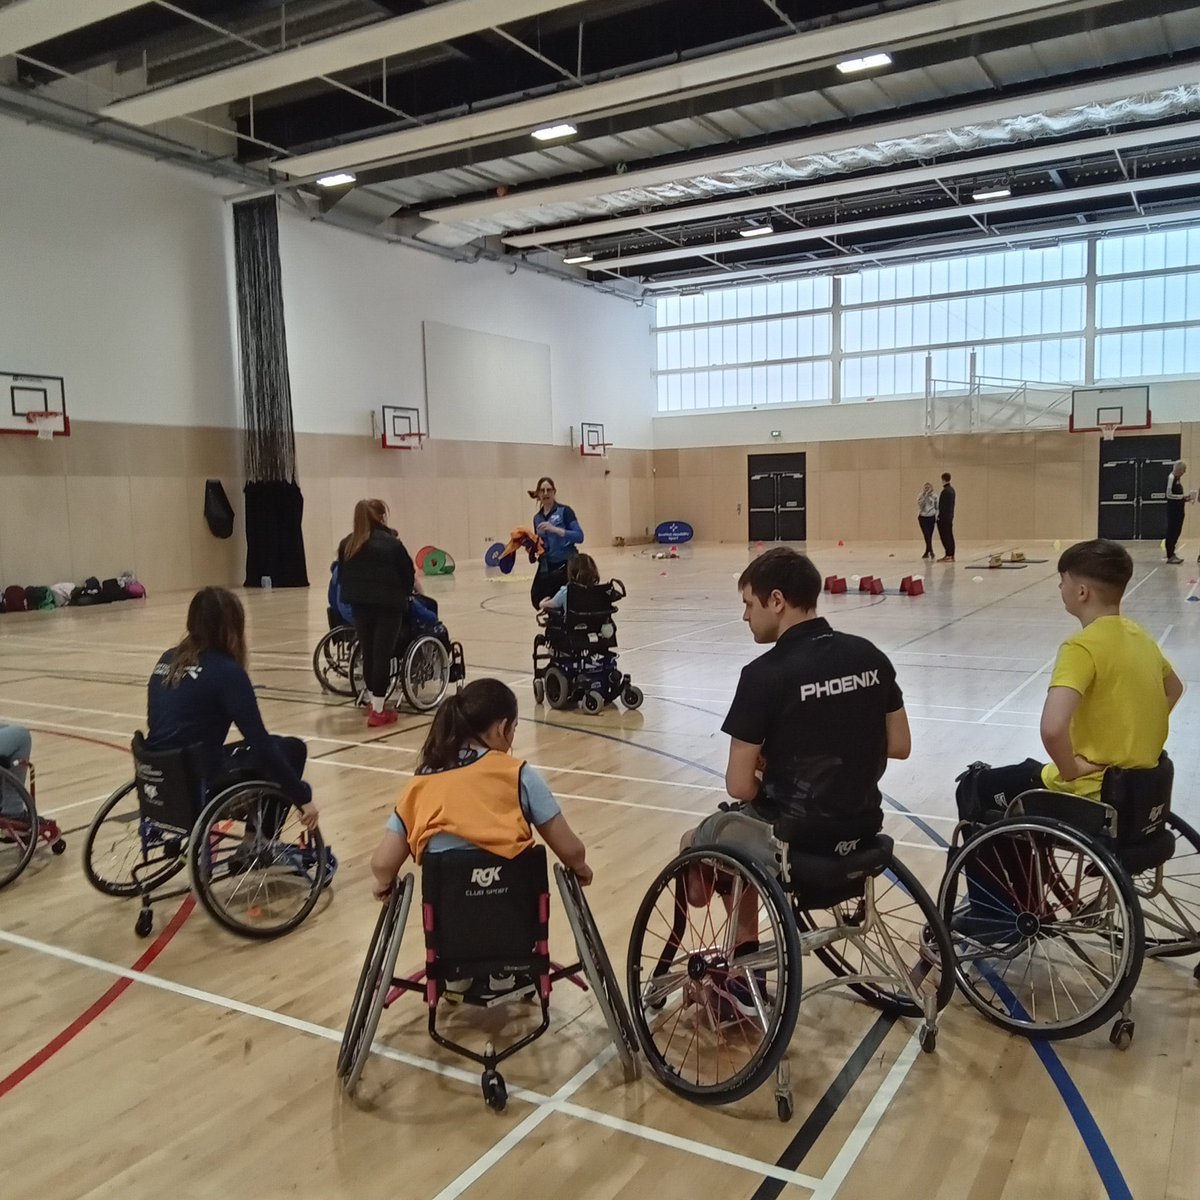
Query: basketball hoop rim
{"x":402,"y":440}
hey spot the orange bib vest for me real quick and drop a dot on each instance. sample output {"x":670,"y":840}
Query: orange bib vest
{"x":480,"y":803}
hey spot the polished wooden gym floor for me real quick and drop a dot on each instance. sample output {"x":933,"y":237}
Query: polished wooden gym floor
{"x":209,"y":1071}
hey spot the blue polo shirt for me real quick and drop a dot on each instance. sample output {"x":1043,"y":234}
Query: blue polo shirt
{"x":558,"y":549}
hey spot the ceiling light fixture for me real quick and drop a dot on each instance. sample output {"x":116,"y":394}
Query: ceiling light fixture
{"x":751,"y":231}
{"x":337,"y":179}
{"x":867,"y":63}
{"x":999,"y":193}
{"x":577,"y":260}
{"x":548,"y":133}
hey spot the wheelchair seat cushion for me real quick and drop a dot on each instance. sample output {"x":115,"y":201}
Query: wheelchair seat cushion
{"x":823,"y":879}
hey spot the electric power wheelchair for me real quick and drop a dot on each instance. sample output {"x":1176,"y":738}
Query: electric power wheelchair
{"x":1055,"y":902}
{"x":252,"y":865}
{"x":575,"y":659}
{"x":21,"y":829}
{"x":425,"y":664}
{"x":486,"y":926}
{"x":714,"y":1014}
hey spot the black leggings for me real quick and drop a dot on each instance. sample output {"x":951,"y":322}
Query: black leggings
{"x":945,"y":530}
{"x":1174,"y":525}
{"x":928,"y":524}
{"x":240,"y":761}
{"x":379,"y":631}
{"x":546,"y":583}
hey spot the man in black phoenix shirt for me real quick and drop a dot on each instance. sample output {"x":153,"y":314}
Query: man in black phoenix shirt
{"x":818,"y":715}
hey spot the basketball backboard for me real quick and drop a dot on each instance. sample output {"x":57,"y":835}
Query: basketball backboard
{"x":400,"y":427}
{"x":591,"y":440}
{"x":29,"y":403}
{"x":1124,"y":407}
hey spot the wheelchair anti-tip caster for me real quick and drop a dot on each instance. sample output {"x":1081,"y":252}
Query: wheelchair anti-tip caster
{"x":1121,"y":1034}
{"x":927,"y":1039}
{"x":495,"y":1094}
{"x":58,"y":847}
{"x":539,"y":691}
{"x":593,"y":702}
{"x":783,"y":1106}
{"x":144,"y":924}
{"x":783,"y":1091}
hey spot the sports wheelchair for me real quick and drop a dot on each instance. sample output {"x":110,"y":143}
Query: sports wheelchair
{"x":1055,"y":902}
{"x":486,"y":924}
{"x":575,"y":658}
{"x":714,"y":1013}
{"x":252,"y":865}
{"x":21,"y":829}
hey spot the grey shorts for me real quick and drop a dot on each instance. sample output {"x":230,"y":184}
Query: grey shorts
{"x":741,"y":829}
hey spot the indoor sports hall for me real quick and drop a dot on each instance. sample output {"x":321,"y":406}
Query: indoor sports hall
{"x":912,"y":288}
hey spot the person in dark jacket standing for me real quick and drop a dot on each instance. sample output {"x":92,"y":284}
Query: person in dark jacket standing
{"x":1176,"y":499}
{"x":558,"y":527}
{"x":945,"y":518}
{"x":378,"y":577}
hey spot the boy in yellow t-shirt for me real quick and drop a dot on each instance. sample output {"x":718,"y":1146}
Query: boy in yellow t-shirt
{"x":1110,"y":694}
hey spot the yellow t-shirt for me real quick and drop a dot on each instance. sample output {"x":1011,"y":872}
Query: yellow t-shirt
{"x":1118,"y":669}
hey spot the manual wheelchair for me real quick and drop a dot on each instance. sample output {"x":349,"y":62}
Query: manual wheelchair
{"x":21,"y":829}
{"x":1055,"y":902}
{"x":486,"y":925}
{"x":252,"y":865}
{"x":715,"y":1015}
{"x":575,"y":659}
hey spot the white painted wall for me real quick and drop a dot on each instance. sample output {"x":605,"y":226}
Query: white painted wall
{"x":114,"y":276}
{"x":354,"y":308}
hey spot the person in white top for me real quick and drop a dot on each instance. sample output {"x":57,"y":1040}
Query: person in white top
{"x":927,"y":515}
{"x":1176,"y":499}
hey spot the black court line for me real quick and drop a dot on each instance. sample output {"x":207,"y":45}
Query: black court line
{"x":827,"y":1107}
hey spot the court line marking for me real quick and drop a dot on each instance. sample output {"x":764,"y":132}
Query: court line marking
{"x":860,"y":1135}
{"x":991,"y":712}
{"x":1165,"y":634}
{"x":691,"y":633}
{"x":326,"y":1033}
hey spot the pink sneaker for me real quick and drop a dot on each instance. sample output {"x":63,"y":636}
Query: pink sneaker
{"x":389,"y":716}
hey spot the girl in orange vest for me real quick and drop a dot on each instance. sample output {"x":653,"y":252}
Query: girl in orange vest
{"x":471,"y":793}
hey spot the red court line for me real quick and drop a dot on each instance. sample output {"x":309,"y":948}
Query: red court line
{"x":89,"y":1014}
{"x":75,"y":737}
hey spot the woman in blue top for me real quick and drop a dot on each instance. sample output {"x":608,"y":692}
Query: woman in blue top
{"x":558,"y":527}
{"x":200,"y":688}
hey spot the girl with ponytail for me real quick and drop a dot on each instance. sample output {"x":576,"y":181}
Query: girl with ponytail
{"x":471,"y":793}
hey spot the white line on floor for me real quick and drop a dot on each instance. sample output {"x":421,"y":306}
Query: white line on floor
{"x":856,"y":1143}
{"x":691,"y":633}
{"x":991,"y":712}
{"x":1152,"y":571}
{"x":1165,"y":634}
{"x":645,"y":1132}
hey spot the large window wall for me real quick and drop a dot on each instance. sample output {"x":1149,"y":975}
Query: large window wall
{"x":1095,"y":311}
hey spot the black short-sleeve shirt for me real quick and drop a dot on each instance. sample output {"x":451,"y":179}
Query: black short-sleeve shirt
{"x":817,"y":703}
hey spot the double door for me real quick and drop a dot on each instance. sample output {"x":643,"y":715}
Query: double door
{"x":1133,"y":486}
{"x":777,"y":497}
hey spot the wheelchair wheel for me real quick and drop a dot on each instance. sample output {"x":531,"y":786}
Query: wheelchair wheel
{"x":1046,"y":928}
{"x":374,"y":985}
{"x":255,"y":868}
{"x":909,"y":927}
{"x":118,"y":840}
{"x":632,"y":697}
{"x":425,"y":675}
{"x":18,"y":827}
{"x":331,"y":660}
{"x":598,"y":968}
{"x":556,"y":687}
{"x":713,"y":1021}
{"x":1170,"y":901}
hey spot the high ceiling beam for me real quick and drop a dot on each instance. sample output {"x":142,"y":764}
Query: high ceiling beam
{"x":28,"y":22}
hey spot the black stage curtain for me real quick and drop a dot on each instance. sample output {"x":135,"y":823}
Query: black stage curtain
{"x":274,"y":504}
{"x":274,"y":542}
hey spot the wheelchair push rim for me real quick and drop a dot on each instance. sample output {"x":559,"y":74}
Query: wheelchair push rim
{"x":331,"y":660}
{"x":119,"y":838}
{"x":1053,"y":950}
{"x":908,"y":925}
{"x":254,"y":867}
{"x":713,"y":1019}
{"x":18,"y":827}
{"x":1170,"y":900}
{"x":425,"y":675}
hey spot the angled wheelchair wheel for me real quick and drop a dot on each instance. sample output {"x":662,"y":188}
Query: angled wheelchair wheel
{"x":425,"y":674}
{"x":331,"y":660}
{"x":713,"y":1014}
{"x":1170,"y":896}
{"x":119,"y":840}
{"x":1046,"y":928}
{"x":374,"y":985}
{"x":906,"y":946}
{"x":598,"y":968}
{"x":18,"y":827}
{"x":255,"y":868}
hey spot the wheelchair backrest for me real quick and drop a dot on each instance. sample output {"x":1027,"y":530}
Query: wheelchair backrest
{"x":484,"y":914}
{"x":170,"y":785}
{"x":1140,"y":799}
